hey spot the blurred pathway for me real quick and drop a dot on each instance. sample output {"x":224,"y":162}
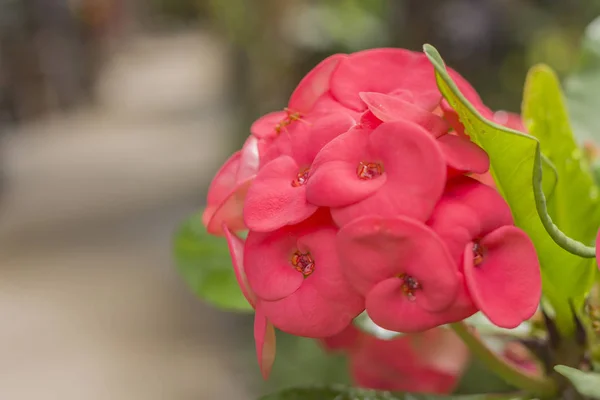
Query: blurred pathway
{"x":91,"y":304}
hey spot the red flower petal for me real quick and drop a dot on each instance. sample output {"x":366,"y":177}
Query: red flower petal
{"x":462,"y":155}
{"x":314,"y":84}
{"x":382,"y":71}
{"x":264,"y":338}
{"x":273,"y":201}
{"x":264,"y":127}
{"x":506,"y":284}
{"x":333,"y":181}
{"x":236,"y":250}
{"x":415,"y":170}
{"x":393,"y":108}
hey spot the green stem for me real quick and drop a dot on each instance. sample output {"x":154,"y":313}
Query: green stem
{"x":541,"y":386}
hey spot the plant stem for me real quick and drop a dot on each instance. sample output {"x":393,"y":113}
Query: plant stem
{"x":540,"y":386}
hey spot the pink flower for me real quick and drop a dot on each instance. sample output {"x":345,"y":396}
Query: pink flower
{"x":402,"y":268}
{"x":427,"y":362}
{"x":498,"y":260}
{"x":396,"y":169}
{"x":296,"y":275}
{"x":228,"y":189}
{"x":277,"y":197}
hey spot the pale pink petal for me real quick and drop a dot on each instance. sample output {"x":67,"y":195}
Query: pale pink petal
{"x":249,"y":160}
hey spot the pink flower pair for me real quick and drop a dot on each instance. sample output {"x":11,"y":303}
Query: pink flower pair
{"x":466,"y":257}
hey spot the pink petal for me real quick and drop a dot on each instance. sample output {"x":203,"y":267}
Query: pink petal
{"x":325,"y":304}
{"x":392,"y":108}
{"x":368,"y":120}
{"x":506,"y":285}
{"x":223,"y":182}
{"x":510,"y":120}
{"x":236,"y":250}
{"x":382,"y":71}
{"x":333,"y":180}
{"x":471,"y":95}
{"x":374,"y":249}
{"x":249,"y":160}
{"x":264,"y":127}
{"x":228,"y":189}
{"x":468,"y":210}
{"x":389,"y":308}
{"x":462,"y":155}
{"x":264,"y":338}
{"x":320,"y":130}
{"x":326,"y":104}
{"x":314,"y":84}
{"x":415,"y":170}
{"x":346,"y":340}
{"x":267,"y":261}
{"x":272,"y":201}
{"x":229,"y":212}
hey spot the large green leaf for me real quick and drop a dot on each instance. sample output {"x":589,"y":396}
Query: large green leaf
{"x":204,"y":263}
{"x":586,"y":383}
{"x":582,"y":87}
{"x":516,"y":165}
{"x":575,"y":202}
{"x":346,"y":393}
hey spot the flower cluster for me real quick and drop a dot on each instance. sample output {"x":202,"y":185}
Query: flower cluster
{"x":365,"y":192}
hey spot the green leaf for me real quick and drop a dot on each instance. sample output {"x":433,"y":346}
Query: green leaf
{"x":346,"y":393}
{"x":204,"y":263}
{"x":575,"y":203}
{"x":586,"y":383}
{"x":582,"y":87}
{"x":516,"y":165}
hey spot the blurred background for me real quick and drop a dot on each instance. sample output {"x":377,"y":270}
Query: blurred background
{"x":115,"y":114}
